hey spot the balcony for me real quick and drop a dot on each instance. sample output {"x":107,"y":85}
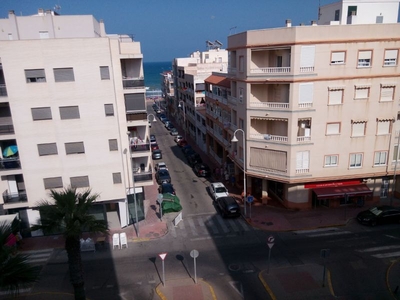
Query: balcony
{"x":10,"y":163}
{"x":14,"y":197}
{"x":142,"y":116}
{"x":270,"y":96}
{"x":269,"y":129}
{"x":270,"y":61}
{"x":269,"y":137}
{"x":269,"y":105}
{"x":143,"y":176}
{"x":3,"y":90}
{"x":270,"y":70}
{"x":133,"y":83}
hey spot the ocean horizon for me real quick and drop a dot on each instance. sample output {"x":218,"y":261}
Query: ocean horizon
{"x":152,"y":73}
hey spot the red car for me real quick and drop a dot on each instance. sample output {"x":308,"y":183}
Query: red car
{"x":182,"y":143}
{"x":154,"y":147}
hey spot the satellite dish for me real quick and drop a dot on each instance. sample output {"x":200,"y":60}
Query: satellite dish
{"x":218,"y":43}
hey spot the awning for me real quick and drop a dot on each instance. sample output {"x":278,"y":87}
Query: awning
{"x":8,"y":219}
{"x":341,"y":191}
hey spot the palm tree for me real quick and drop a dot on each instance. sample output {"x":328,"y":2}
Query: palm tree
{"x":68,"y":214}
{"x":15,"y":271}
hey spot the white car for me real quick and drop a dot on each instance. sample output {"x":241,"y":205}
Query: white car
{"x":218,"y":189}
{"x":177,"y":138}
{"x":161,"y":166}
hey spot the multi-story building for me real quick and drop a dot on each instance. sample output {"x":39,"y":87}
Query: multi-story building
{"x":189,"y":74}
{"x":318,"y":106}
{"x":72,"y":112}
{"x":167,"y":89}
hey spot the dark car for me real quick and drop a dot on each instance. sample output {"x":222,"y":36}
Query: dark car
{"x":182,"y":143}
{"x":163,"y":176}
{"x":157,"y":154}
{"x":194,"y":159}
{"x":228,"y":207}
{"x":379,"y":215}
{"x":166,"y":188}
{"x":170,"y":126}
{"x":154,"y":146}
{"x":202,"y":170}
{"x":153,"y":139}
{"x":188,"y":151}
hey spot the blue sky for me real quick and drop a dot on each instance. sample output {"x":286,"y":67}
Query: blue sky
{"x":176,"y":28}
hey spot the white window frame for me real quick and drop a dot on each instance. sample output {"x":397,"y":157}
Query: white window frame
{"x":391,"y":57}
{"x":355,"y":160}
{"x":332,"y":92}
{"x":387,"y":92}
{"x":364,"y":59}
{"x":356,"y":127}
{"x":338,"y":57}
{"x":361,"y":92}
{"x":303,"y":160}
{"x":331,"y":160}
{"x":383,"y":127}
{"x":380,"y":158}
{"x":331,"y":128}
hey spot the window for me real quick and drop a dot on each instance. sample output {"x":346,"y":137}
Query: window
{"x":116,"y":178}
{"x":306,"y":94}
{"x":338,"y":57}
{"x":241,"y":63}
{"x":69,"y":112}
{"x":379,"y":19}
{"x":104,"y":73}
{"x":41,"y":113}
{"x":352,"y":11}
{"x":207,"y":56}
{"x":380,"y":158}
{"x":302,"y":160}
{"x":47,"y":149}
{"x":43,"y":34}
{"x":391,"y":57}
{"x":307,"y":58}
{"x":74,"y":148}
{"x":387,"y":93}
{"x":337,"y":15}
{"x":241,"y":95}
{"x":332,"y":128}
{"x":113,"y":145}
{"x":335,"y":96}
{"x":361,"y":93}
{"x":358,"y":128}
{"x":241,"y":123}
{"x":364,"y":58}
{"x":396,"y":153}
{"x":356,"y":160}
{"x":52,"y":183}
{"x":279,"y":61}
{"x":109,"y":110}
{"x":79,"y":182}
{"x":383,"y":126}
{"x":331,"y":160}
{"x":35,"y":75}
{"x":64,"y":74}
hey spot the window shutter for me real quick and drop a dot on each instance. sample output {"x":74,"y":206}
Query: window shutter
{"x":307,"y":56}
{"x":47,"y":149}
{"x":41,"y":113}
{"x":391,"y":54}
{"x":383,"y":127}
{"x":332,"y":128}
{"x":74,"y":148}
{"x":306,"y":92}
{"x":79,"y":182}
{"x":104,"y":73}
{"x":117,"y":178}
{"x":69,"y":112}
{"x":113,"y":145}
{"x":268,"y":159}
{"x":335,"y":96}
{"x":337,"y":57}
{"x":364,"y":54}
{"x":362,"y":93}
{"x":35,"y":73}
{"x":64,"y":75}
{"x":358,"y":129}
{"x":387,"y":93}
{"x":135,"y":102}
{"x":52,"y":183}
{"x":302,"y":160}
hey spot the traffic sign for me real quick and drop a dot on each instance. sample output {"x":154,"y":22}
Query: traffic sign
{"x":271,"y":239}
{"x":250,"y":199}
{"x":162,"y":255}
{"x":160,"y":198}
{"x":194,"y":253}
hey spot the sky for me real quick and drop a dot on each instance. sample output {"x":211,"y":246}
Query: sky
{"x":176,"y":28}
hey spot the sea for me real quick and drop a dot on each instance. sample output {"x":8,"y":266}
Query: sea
{"x":152,"y":71}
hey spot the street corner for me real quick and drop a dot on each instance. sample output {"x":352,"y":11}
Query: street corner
{"x":392,"y":279}
{"x":151,"y":232}
{"x":185,"y":288}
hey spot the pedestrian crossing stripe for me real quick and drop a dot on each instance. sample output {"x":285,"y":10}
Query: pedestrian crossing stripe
{"x":38,"y":256}
{"x":374,"y":249}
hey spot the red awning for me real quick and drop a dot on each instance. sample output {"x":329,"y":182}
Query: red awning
{"x":341,"y":191}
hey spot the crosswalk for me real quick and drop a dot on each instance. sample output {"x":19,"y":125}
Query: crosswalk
{"x":380,"y":252}
{"x":209,"y":227}
{"x":38,"y":257}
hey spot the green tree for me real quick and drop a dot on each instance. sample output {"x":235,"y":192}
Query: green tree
{"x":68,"y":214}
{"x":15,"y":271}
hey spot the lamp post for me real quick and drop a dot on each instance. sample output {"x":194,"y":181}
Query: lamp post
{"x":234,"y":140}
{"x":154,"y":118}
{"x":129,"y":185}
{"x":133,"y":181}
{"x":184,"y":114}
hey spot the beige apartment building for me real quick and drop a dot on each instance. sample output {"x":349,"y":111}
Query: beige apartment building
{"x":72,"y":109}
{"x":318,"y":105}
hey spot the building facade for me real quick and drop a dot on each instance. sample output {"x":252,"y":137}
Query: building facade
{"x":319,"y":107}
{"x":73,"y":105}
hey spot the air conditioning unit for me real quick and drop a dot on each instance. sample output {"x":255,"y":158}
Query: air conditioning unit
{"x":267,"y":136}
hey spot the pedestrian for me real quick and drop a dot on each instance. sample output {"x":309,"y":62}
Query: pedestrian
{"x":226,"y":176}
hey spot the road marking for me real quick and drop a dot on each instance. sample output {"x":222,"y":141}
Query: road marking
{"x":173,"y":230}
{"x":202,"y":225}
{"x":233,"y":225}
{"x":192,"y":227}
{"x":329,"y":233}
{"x":222,"y":223}
{"x":385,"y":255}
{"x":374,"y":249}
{"x":316,"y":230}
{"x":237,"y":286}
{"x":210,"y":224}
{"x":244,"y":225}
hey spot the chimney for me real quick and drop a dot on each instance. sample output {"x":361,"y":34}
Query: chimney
{"x":11,"y":12}
{"x":288,"y":23}
{"x":314,"y":23}
{"x":40,"y":12}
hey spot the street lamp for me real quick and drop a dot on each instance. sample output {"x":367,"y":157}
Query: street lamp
{"x":154,"y":118}
{"x":234,"y":140}
{"x":184,"y":114}
{"x":133,"y":181}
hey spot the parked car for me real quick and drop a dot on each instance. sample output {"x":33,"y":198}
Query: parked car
{"x":160,"y":116}
{"x":163,"y":176}
{"x":202,"y":170}
{"x":173,"y":132}
{"x":166,"y":188}
{"x":188,"y":150}
{"x":228,"y":207}
{"x":161,"y":166}
{"x":170,"y":126}
{"x":182,"y":143}
{"x":218,"y":190}
{"x":379,"y":215}
{"x":154,"y":146}
{"x":153,"y":139}
{"x":164,"y":120}
{"x":157,"y":154}
{"x":194,"y":159}
{"x":178,"y":138}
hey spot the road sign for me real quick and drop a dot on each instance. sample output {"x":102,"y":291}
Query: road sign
{"x":250,"y":199}
{"x":160,"y":198}
{"x":162,"y":255}
{"x":270,"y":241}
{"x":194,"y":253}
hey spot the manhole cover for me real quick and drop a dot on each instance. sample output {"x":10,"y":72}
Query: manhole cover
{"x":234,"y":267}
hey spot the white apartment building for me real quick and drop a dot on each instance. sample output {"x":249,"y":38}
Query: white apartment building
{"x":72,"y":104}
{"x":189,"y":74}
{"x":319,"y":106}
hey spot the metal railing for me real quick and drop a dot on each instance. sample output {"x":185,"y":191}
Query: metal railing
{"x":132,"y":83}
{"x":269,"y":104}
{"x":270,"y":70}
{"x":14,"y":197}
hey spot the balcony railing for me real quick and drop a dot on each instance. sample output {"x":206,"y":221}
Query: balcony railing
{"x":306,"y":69}
{"x":6,"y":129}
{"x":10,"y":163}
{"x":140,"y":147}
{"x":305,"y":105}
{"x":132,"y":83}
{"x":269,"y":137}
{"x":302,"y":171}
{"x":269,"y":70}
{"x":303,"y":139}
{"x":136,"y":117}
{"x":232,"y":100}
{"x":269,"y":104}
{"x":3,"y":90}
{"x":14,"y":197}
{"x":143,"y":176}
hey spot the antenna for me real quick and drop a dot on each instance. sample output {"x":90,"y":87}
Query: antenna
{"x":57,"y":7}
{"x":232,"y":28}
{"x":319,"y":9}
